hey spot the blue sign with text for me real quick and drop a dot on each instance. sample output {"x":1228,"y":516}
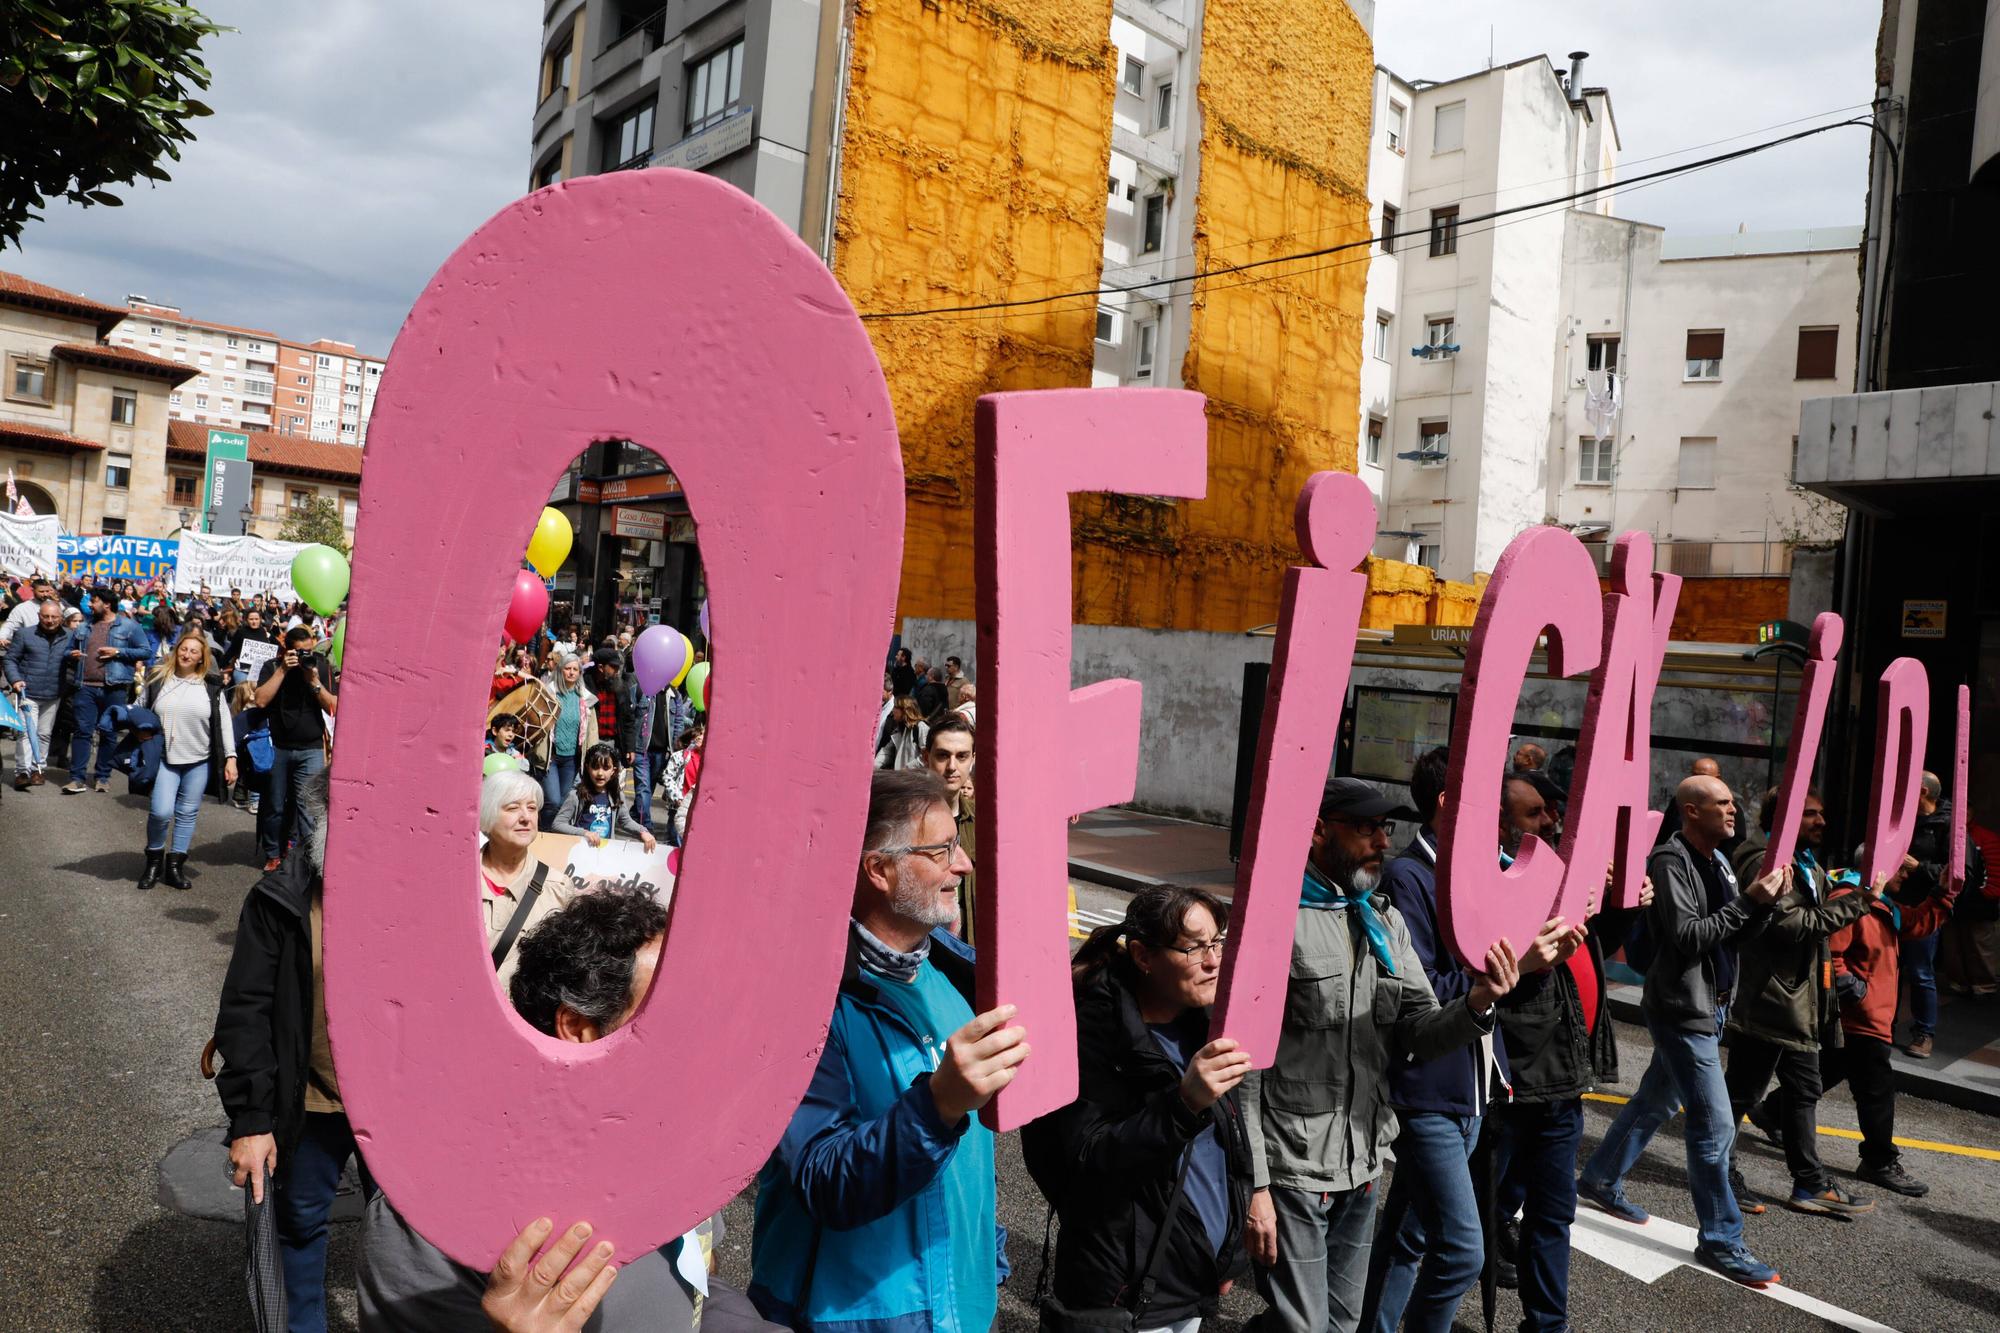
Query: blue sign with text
{"x":116,"y":557}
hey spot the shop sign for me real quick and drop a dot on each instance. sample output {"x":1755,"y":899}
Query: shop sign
{"x":1923,"y":619}
{"x":645,"y":524}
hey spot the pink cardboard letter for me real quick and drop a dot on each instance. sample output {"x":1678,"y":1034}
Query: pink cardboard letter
{"x":1902,"y":721}
{"x":1610,"y":821}
{"x":667,"y":308}
{"x":1309,"y":669}
{"x":1034,"y":450}
{"x":1961,"y":798}
{"x":1808,"y":720}
{"x":1543,"y":580}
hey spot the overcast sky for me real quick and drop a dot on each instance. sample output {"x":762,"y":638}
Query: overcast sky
{"x":356,"y":143}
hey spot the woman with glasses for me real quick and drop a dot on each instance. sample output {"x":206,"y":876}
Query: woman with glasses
{"x":1150,"y":1168}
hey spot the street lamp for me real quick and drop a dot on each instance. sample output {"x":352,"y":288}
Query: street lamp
{"x":186,"y":517}
{"x":245,"y":513}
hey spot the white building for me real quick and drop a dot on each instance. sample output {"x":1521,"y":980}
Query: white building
{"x":1487,"y":335}
{"x":235,"y":377}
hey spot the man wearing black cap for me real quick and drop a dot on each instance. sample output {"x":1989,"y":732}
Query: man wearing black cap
{"x":1319,"y":1118}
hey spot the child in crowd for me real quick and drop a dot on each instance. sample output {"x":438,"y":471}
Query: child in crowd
{"x":683,"y":772}
{"x":594,"y":808}
{"x":253,"y":743}
{"x":503,"y":736}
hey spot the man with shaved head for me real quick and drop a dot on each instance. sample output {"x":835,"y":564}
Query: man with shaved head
{"x":1703,"y":767}
{"x":1695,"y":917}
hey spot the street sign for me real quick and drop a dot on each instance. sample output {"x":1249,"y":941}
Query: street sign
{"x":1431,"y":636}
{"x":230,"y":490}
{"x":222,"y":444}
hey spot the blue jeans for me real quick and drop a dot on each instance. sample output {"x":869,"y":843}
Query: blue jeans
{"x":1686,"y":1071}
{"x":1920,"y":966}
{"x":177,"y":794}
{"x":289,"y":771}
{"x":558,"y":780}
{"x":1430,"y":1245}
{"x":1542,"y":1140}
{"x":1322,"y":1268}
{"x":304,"y":1198}
{"x":642,"y":788}
{"x":91,"y":702}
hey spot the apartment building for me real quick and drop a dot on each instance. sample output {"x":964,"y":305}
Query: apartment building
{"x":233,"y":370}
{"x":1562,"y":364}
{"x":326,"y":391}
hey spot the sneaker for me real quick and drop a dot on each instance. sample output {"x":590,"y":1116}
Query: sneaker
{"x":1919,"y":1048}
{"x":270,"y":865}
{"x":1738,"y":1265}
{"x":1894,"y":1179}
{"x":38,"y":779}
{"x":1747,"y":1203}
{"x":1833,"y":1200}
{"x":252,"y":807}
{"x":75,"y":789}
{"x":1764,"y":1118}
{"x":103,"y":786}
{"x":1613,"y":1201}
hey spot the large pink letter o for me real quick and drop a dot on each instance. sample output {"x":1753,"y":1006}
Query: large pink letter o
{"x":669,"y":309}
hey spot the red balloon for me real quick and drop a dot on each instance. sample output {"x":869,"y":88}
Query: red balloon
{"x":528,"y":608}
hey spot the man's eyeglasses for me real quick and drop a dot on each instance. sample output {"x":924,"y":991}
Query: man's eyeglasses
{"x":939,"y":852}
{"x":1368,"y":828}
{"x":1212,"y":949}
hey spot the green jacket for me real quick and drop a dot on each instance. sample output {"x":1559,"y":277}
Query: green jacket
{"x":1784,"y":979}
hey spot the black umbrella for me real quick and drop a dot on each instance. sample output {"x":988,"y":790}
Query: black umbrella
{"x":1486,"y":1191}
{"x":263,"y":1270}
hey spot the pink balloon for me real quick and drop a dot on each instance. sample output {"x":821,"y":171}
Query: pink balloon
{"x":658,"y":655}
{"x":527,"y":609}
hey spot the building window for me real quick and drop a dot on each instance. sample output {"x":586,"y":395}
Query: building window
{"x":560,"y":60}
{"x":1444,"y":231}
{"x":1430,"y":548}
{"x":1107,"y":326}
{"x":1391,"y":215}
{"x":1704,"y":354}
{"x":1383,"y":321}
{"x":1155,"y":232}
{"x":1134,"y":80}
{"x":186,"y":489}
{"x":325,"y":362}
{"x":1697,"y":465}
{"x":1371,"y":449}
{"x":201,"y":400}
{"x":1433,"y":443}
{"x":550,"y":171}
{"x":231,"y":340}
{"x":124,"y":407}
{"x":628,"y":141}
{"x":1440,"y":337}
{"x":1149,"y":338}
{"x":1593,"y":461}
{"x":713,"y":86}
{"x":1818,"y":350}
{"x":117,"y":471}
{"x":350,"y":509}
{"x":28,"y":380}
{"x":1448,"y":128}
{"x":154,"y":329}
{"x":1396,"y":115}
{"x":1163,"y":105}
{"x":300,"y":499}
{"x":174,"y":397}
{"x":1603,"y":351}
{"x":112,"y":527}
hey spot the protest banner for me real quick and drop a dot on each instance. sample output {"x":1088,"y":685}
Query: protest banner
{"x":116,"y":556}
{"x":798,"y":485}
{"x":621,"y":862}
{"x":254,"y":564}
{"x":29,"y":545}
{"x":252,"y":654}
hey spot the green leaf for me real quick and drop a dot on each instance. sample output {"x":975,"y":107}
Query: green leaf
{"x":75,"y":51}
{"x":195,"y":108}
{"x":147,"y":61}
{"x":86,"y":77}
{"x":108,"y":200}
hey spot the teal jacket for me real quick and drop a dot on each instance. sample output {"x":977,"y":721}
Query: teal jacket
{"x":873,"y":1215}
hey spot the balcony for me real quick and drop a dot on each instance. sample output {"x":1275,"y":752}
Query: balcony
{"x":1709,"y":560}
{"x":638,"y":31}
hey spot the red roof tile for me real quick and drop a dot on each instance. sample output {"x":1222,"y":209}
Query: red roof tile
{"x":280,"y":453}
{"x":20,"y":291}
{"x":40,"y":437}
{"x":124,"y":358}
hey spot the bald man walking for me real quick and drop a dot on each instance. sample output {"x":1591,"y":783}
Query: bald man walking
{"x":1696,"y":915}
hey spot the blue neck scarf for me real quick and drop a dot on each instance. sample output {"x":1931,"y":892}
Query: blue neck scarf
{"x":1318,"y":894}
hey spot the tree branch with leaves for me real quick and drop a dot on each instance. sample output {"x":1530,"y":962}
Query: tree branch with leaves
{"x":93,"y":93}
{"x":317,"y":520}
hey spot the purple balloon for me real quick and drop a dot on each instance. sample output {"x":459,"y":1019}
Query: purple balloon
{"x":702,"y":620}
{"x":657,"y":655}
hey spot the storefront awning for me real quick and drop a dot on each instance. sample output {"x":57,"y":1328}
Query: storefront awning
{"x":1902,"y":451}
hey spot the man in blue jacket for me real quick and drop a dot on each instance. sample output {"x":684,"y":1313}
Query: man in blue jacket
{"x":102,"y":657}
{"x":34,"y":671}
{"x":876,"y":1212}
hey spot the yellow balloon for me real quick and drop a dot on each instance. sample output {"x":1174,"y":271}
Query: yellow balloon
{"x":549,"y":547}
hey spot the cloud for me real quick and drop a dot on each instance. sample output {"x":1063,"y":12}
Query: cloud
{"x":1681,"y":75}
{"x":354,"y":145}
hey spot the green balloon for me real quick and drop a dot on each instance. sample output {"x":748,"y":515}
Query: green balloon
{"x":697,"y":686}
{"x":336,"y":647}
{"x":320,"y":574}
{"x":500,"y":763}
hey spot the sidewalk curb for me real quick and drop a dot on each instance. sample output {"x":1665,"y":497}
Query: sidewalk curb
{"x":1096,"y":872}
{"x":1911,"y":1081}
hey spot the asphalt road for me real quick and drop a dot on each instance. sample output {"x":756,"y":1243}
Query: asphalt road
{"x":106,"y":996}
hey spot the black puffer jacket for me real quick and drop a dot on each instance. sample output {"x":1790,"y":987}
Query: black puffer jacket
{"x":1109,"y":1160}
{"x":1552,"y":1054}
{"x":263,"y":1028}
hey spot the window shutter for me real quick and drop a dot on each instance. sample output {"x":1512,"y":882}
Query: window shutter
{"x":1704,"y":346}
{"x":1818,"y":350}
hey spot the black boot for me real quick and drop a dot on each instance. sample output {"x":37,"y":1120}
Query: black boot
{"x":151,"y":874}
{"x":174,"y":876}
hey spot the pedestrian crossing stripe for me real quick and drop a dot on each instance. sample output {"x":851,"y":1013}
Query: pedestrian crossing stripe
{"x":1081,"y":923}
{"x":1925,"y":1145}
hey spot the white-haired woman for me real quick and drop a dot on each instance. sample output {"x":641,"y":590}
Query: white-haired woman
{"x":516,"y":889}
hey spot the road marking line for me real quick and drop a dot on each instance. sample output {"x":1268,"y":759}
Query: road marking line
{"x":1853,"y":1136}
{"x":1652,"y":1250}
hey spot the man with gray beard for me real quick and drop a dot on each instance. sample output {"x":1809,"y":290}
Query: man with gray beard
{"x":277,"y":1081}
{"x":1319,"y":1118}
